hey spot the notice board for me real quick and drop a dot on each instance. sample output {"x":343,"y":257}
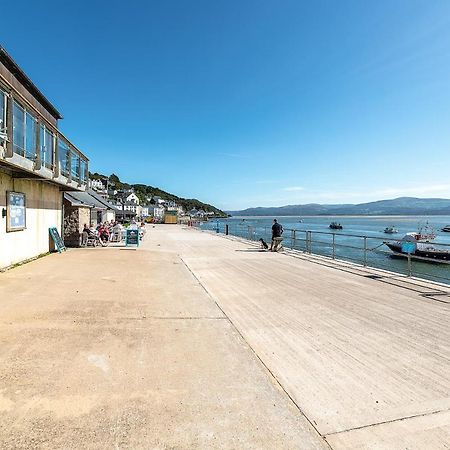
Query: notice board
{"x":15,"y":211}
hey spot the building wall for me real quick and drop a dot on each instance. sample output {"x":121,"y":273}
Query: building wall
{"x":109,"y":215}
{"x":43,"y":210}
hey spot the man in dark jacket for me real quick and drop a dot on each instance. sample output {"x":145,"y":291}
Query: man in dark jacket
{"x":277,"y":231}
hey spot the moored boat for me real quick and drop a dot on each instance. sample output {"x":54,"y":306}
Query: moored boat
{"x":390,"y":230}
{"x":418,"y":245}
{"x":446,"y":229}
{"x":335,"y":226}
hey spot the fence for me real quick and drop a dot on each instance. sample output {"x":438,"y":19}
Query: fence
{"x":368,"y":251}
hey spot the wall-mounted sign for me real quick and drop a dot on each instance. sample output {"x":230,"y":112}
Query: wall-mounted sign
{"x":16,"y":217}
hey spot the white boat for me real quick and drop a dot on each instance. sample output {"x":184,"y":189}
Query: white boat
{"x":390,"y":230}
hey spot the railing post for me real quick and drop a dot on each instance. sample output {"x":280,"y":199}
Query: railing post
{"x":226,"y":229}
{"x":409,"y":265}
{"x":334,"y":245}
{"x":365,"y":251}
{"x":310,"y":242}
{"x":293,"y":239}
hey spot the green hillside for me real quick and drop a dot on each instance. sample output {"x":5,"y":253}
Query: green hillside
{"x":143,"y":191}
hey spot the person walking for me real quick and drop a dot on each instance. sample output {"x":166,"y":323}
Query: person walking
{"x":277,"y":231}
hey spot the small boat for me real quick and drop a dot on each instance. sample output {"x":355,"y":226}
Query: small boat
{"x":335,"y":226}
{"x":446,"y":229}
{"x":390,"y":230}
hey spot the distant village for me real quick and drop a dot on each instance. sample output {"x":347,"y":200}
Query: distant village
{"x":107,"y":202}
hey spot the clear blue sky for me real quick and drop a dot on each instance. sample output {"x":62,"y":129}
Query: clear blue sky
{"x":249,"y":103}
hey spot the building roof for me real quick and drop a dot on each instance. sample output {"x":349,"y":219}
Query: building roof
{"x":101,"y":200}
{"x":12,"y":66}
{"x":88,"y":199}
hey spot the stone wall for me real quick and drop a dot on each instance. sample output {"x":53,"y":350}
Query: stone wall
{"x":74,"y":219}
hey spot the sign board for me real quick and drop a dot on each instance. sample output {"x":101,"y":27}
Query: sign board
{"x":59,"y":244}
{"x":408,"y":247}
{"x":132,"y":237}
{"x":15,"y":211}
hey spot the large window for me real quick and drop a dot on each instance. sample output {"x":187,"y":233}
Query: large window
{"x":24,"y":132}
{"x":46,"y":142}
{"x":75,"y":169}
{"x":18,"y":129}
{"x":83,"y":170}
{"x":63,"y":155}
{"x":30,"y":136}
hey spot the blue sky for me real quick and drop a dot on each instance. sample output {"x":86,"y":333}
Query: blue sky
{"x":249,"y":103}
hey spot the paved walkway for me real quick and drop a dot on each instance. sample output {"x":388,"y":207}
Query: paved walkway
{"x":199,"y":341}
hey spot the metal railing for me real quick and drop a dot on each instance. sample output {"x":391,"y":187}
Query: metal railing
{"x":365,"y":250}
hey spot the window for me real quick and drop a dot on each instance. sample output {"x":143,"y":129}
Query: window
{"x":75,"y":169}
{"x":83,"y":168}
{"x":18,"y":129}
{"x":46,"y":142}
{"x":63,"y":150}
{"x":30,"y":136}
{"x":24,"y":132}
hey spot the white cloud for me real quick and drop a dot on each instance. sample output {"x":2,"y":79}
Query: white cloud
{"x":293,"y":188}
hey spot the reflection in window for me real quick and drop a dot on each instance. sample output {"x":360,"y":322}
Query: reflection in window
{"x":18,"y":129}
{"x":24,"y":132}
{"x":30,"y":136}
{"x":74,"y":160}
{"x":46,"y":142}
{"x":63,"y":150}
{"x":83,"y":169}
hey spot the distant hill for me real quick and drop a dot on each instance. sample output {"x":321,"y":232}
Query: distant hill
{"x":408,"y":206}
{"x":143,"y":191}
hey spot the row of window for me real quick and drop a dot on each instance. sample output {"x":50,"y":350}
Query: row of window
{"x":24,"y":141}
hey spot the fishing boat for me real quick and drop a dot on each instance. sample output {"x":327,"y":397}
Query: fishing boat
{"x":390,"y":230}
{"x":418,"y":244}
{"x":446,"y":229}
{"x":335,"y":226}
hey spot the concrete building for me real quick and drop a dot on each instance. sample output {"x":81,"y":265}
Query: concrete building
{"x":37,"y":163}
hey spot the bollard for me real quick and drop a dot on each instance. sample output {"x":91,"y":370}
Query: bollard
{"x":226,"y":229}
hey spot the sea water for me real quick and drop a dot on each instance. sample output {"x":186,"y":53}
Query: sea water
{"x":350,"y":241}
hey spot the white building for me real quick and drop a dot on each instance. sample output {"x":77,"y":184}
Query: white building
{"x":156,"y":211}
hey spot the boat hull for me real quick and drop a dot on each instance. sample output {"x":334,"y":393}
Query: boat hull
{"x":432,"y":254}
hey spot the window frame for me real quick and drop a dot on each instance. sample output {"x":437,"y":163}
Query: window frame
{"x":4,"y":116}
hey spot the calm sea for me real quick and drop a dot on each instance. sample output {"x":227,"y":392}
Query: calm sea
{"x":349,"y":248}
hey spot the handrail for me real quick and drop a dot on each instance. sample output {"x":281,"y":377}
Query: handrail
{"x":368,"y":255}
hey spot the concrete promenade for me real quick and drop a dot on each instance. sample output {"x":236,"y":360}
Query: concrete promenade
{"x":201,"y":341}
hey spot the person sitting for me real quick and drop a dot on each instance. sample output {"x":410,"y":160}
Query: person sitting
{"x":103,"y":234}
